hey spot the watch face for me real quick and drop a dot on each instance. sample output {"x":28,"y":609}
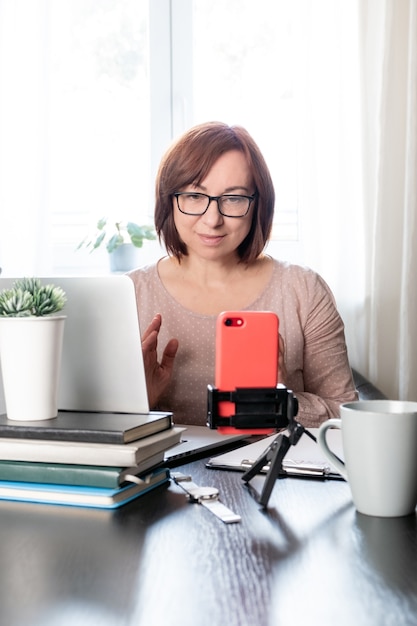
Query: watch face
{"x":204,"y":493}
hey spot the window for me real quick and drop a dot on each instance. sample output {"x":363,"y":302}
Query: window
{"x":243,"y":73}
{"x":75,"y":127}
{"x":98,"y":118}
{"x":94,"y":90}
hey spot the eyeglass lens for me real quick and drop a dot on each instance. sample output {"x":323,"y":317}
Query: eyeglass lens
{"x":229,"y":205}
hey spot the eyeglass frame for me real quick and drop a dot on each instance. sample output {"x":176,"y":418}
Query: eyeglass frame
{"x":216,"y":198}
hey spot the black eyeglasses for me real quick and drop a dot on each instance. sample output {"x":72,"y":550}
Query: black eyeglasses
{"x":229,"y":205}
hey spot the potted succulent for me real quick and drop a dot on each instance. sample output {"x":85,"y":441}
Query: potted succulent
{"x":122,"y":240}
{"x":31,"y":337}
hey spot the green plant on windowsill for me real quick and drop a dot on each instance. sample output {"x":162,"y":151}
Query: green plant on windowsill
{"x":28,"y":297}
{"x":117,"y":234}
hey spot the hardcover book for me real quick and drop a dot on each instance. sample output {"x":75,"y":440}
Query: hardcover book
{"x":72,"y":495}
{"x":94,"y":427}
{"x":69,"y":474}
{"x":85,"y":453}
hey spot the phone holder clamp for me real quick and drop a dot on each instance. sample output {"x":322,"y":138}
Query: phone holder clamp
{"x":255,"y":407}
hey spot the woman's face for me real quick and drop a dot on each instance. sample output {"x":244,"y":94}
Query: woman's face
{"x":213,"y":236}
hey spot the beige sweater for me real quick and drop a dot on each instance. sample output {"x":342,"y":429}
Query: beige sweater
{"x":316,"y":357}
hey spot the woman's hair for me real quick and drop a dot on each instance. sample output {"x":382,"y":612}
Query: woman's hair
{"x":188,"y":161}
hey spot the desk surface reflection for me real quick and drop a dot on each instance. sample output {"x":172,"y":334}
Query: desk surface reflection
{"x":309,"y":559}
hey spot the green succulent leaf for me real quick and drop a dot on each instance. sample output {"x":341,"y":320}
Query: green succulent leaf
{"x":32,"y":285}
{"x":16,"y":302}
{"x":29,"y":297}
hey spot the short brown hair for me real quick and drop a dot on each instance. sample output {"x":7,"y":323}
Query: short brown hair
{"x":188,"y":161}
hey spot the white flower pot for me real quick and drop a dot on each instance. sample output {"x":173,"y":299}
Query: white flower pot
{"x":30,"y":357}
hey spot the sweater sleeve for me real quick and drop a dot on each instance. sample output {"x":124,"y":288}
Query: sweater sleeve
{"x":326,"y":374}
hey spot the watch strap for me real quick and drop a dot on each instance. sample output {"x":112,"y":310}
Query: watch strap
{"x":207,"y":496}
{"x":221,"y":511}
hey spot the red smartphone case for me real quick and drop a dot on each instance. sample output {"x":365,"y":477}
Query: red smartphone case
{"x":246,"y":355}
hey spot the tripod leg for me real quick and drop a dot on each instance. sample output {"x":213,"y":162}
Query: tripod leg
{"x":262,"y":459}
{"x":274,"y":470}
{"x":275,"y":453}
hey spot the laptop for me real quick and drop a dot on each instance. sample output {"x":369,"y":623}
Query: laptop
{"x":198,"y":441}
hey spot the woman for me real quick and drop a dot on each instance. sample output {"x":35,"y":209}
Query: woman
{"x":214,"y":212}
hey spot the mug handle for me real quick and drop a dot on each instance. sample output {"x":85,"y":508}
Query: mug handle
{"x":322,"y":441}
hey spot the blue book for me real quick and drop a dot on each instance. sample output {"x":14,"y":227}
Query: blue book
{"x":73,"y":495}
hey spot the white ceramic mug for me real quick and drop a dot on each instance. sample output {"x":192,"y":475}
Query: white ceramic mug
{"x":380,"y":455}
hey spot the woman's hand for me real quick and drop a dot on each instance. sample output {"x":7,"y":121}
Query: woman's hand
{"x":282,"y":370}
{"x":157,"y":374}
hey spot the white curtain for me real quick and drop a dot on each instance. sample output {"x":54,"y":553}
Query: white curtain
{"x":389,"y":88}
{"x":329,"y":147}
{"x":358,"y":138}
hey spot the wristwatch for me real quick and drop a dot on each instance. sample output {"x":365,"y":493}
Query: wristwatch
{"x":207,"y":496}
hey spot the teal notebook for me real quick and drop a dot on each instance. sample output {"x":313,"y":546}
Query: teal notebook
{"x":72,"y":474}
{"x":71,"y":495}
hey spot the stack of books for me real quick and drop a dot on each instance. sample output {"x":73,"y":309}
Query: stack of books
{"x":99,"y":460}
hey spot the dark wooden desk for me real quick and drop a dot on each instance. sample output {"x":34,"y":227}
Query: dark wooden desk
{"x":310,"y":560}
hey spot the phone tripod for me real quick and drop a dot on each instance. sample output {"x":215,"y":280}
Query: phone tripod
{"x":270,"y":407}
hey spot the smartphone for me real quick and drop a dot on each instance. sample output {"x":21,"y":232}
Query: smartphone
{"x":246,"y":356}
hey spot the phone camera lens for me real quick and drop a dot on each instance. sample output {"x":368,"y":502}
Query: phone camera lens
{"x":228,"y":322}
